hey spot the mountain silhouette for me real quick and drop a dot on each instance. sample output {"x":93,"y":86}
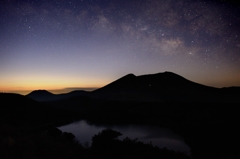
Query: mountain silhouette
{"x":43,"y":95}
{"x":159,"y":87}
{"x":166,"y":86}
{"x":16,"y":108}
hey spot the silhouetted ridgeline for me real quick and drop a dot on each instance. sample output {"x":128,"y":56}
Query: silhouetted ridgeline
{"x":165,"y":86}
{"x":43,"y":95}
{"x":206,"y":117}
{"x":20,"y":109}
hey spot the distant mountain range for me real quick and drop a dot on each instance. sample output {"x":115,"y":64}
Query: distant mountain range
{"x":43,"y":95}
{"x":166,"y":86}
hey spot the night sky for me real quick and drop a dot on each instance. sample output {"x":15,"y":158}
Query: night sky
{"x":57,"y":44}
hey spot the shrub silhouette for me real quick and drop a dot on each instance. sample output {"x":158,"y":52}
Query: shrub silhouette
{"x":54,"y":132}
{"x":68,"y":136}
{"x":105,"y":139}
{"x":107,"y":145}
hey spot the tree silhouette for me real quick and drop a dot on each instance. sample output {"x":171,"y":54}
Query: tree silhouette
{"x":105,"y":139}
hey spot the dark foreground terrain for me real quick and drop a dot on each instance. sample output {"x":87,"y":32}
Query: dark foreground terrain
{"x":28,"y":128}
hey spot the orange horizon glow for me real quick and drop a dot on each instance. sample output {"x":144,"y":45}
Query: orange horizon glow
{"x":54,"y":91}
{"x":58,"y":88}
{"x":23,"y":85}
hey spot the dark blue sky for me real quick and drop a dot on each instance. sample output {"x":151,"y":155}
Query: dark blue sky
{"x":55,"y":44}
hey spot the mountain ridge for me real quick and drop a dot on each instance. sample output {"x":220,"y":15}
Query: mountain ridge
{"x":156,"y":87}
{"x":44,"y":95}
{"x":163,"y":86}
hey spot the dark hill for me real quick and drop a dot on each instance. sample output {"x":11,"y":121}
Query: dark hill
{"x":16,"y":101}
{"x":18,"y":109}
{"x":43,"y":95}
{"x":166,"y":86}
{"x":73,"y":94}
{"x":159,"y":87}
{"x":21,"y":111}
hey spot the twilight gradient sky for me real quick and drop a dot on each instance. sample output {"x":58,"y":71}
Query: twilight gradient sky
{"x":56,"y":44}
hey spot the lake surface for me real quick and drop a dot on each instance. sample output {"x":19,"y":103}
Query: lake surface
{"x":84,"y":131}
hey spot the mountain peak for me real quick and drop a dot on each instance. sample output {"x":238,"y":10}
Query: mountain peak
{"x":129,"y":75}
{"x":40,"y":95}
{"x":167,"y":73}
{"x":163,"y":85}
{"x":40,"y":91}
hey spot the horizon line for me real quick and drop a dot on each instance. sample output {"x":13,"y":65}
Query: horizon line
{"x":54,"y":91}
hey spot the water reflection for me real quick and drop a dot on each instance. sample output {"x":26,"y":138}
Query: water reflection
{"x":157,"y":136}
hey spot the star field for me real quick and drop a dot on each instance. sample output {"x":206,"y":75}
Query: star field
{"x":79,"y":43}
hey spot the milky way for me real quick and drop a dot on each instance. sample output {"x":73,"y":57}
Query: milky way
{"x":57,"y":44}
